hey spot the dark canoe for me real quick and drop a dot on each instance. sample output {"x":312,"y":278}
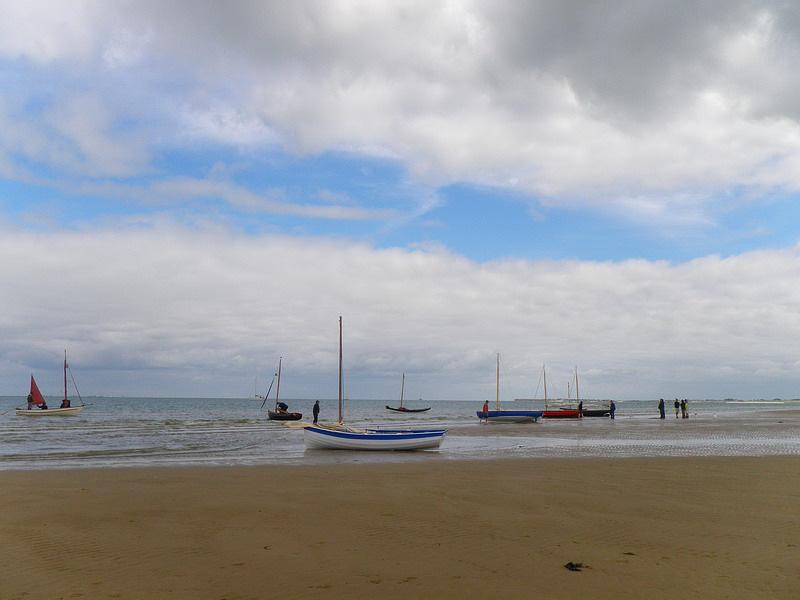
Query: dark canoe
{"x":563,"y":413}
{"x":287,"y":416}
{"x":596,"y":412}
{"x":404,"y":409}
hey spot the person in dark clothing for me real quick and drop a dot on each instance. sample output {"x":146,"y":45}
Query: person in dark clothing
{"x":580,"y":408}
{"x":282,"y":407}
{"x":30,"y":402}
{"x":316,"y":411}
{"x":661,"y":407}
{"x":613,"y":408}
{"x":65,"y":403}
{"x":677,"y":407}
{"x":43,"y":405}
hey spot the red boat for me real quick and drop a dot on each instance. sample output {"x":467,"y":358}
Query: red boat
{"x":562,"y":413}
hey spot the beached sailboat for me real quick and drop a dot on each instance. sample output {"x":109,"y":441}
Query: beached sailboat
{"x":506,"y":416}
{"x":402,"y":408}
{"x":35,"y":398}
{"x":281,"y":412}
{"x":340,"y":437}
{"x":558,"y":412}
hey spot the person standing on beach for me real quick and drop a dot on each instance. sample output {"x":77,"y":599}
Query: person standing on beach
{"x":661,"y":409}
{"x":580,"y":408}
{"x":683,"y":409}
{"x":485,"y":410}
{"x":677,"y":407}
{"x":613,"y":408}
{"x":315,"y":410}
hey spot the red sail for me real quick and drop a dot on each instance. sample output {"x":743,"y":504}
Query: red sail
{"x":35,"y":393}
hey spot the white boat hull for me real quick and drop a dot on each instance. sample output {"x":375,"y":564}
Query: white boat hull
{"x":343,"y":439}
{"x":50,"y":412}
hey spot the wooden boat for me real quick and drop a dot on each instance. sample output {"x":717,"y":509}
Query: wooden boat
{"x":506,"y":416}
{"x":402,"y":408}
{"x":340,"y":437}
{"x":36,"y":398}
{"x":281,"y":412}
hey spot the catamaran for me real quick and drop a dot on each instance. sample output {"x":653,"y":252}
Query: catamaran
{"x":340,"y":437}
{"x":506,"y":416}
{"x":35,"y":398}
{"x":402,"y":408}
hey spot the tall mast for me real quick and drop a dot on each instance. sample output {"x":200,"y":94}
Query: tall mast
{"x":340,"y":371}
{"x":544,"y":375}
{"x":577,"y":390}
{"x":65,"y":374}
{"x":569,"y":394}
{"x":278,"y":390}
{"x":402,"y":390}
{"x":497,"y":384}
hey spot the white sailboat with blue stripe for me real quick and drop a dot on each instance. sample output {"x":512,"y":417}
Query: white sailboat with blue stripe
{"x":340,"y":437}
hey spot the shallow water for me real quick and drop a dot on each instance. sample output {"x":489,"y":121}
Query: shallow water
{"x":127,"y":432}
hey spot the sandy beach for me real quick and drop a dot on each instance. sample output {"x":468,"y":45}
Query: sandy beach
{"x":646,"y":528}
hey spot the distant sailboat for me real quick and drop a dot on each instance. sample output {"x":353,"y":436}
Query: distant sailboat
{"x":281,"y":412}
{"x":402,"y":408}
{"x":506,"y":416}
{"x":36,"y":398}
{"x":340,"y":437}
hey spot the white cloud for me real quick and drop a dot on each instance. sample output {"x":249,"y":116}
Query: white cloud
{"x":202,"y":311}
{"x":621,"y":104}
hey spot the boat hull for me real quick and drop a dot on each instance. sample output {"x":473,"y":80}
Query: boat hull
{"x":372,"y":439}
{"x":596,"y":412}
{"x":408,"y":410}
{"x":50,"y":412}
{"x":277,"y":416}
{"x":566,"y":413}
{"x":510,"y":416}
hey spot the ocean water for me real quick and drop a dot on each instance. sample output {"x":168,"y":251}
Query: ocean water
{"x":135,"y":432}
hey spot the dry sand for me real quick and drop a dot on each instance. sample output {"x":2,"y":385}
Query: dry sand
{"x":647,"y":528}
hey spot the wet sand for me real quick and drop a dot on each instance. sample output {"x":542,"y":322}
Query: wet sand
{"x":647,"y":528}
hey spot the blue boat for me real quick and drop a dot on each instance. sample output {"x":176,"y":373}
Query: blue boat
{"x":506,"y":416}
{"x":510,"y":416}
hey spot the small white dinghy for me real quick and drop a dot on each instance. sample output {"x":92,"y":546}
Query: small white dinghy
{"x":36,"y":399}
{"x":339,"y":437}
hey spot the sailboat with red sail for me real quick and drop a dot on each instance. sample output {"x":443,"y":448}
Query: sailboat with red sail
{"x":37,"y":405}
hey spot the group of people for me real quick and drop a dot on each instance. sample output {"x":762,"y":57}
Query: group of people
{"x":681,"y":408}
{"x":65,"y":403}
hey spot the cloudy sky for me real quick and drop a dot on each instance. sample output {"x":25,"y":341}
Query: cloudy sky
{"x":190,"y":189}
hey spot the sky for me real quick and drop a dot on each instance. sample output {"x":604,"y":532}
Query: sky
{"x":189,"y":190}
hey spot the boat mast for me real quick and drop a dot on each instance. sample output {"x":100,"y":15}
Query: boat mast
{"x":278,"y":389}
{"x":402,"y":390}
{"x":544,"y":376}
{"x":497,"y":384}
{"x":577,"y":391}
{"x":65,"y":375}
{"x":340,"y":371}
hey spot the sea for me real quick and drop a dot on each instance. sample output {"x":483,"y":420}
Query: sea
{"x":155,"y":432}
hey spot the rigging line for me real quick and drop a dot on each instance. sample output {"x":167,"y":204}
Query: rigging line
{"x":77,"y":391}
{"x":269,"y":389}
